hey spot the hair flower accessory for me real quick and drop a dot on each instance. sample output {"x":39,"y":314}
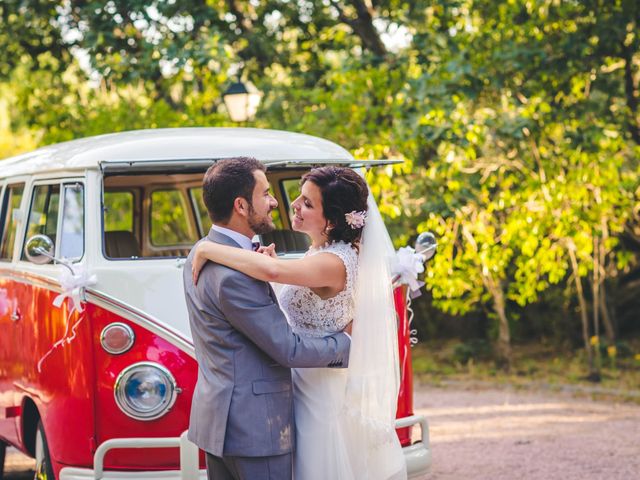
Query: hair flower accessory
{"x":356,"y":219}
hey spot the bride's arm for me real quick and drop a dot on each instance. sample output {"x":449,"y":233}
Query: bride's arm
{"x":315,"y":271}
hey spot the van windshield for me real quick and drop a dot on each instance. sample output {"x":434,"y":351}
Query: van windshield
{"x":163,"y":215}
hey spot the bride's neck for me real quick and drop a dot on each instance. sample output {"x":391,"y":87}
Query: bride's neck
{"x":319,"y":241}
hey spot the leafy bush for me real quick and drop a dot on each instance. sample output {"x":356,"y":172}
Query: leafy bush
{"x":476,"y":349}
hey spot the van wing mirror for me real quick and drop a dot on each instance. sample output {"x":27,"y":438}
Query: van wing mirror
{"x":426,"y":245}
{"x":39,"y":249}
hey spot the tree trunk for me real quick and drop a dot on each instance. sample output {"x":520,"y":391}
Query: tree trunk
{"x":595,"y":287}
{"x":594,"y":375}
{"x":503,"y":346}
{"x":362,"y":25}
{"x":607,"y":321}
{"x":602,"y":303}
{"x":504,"y":332}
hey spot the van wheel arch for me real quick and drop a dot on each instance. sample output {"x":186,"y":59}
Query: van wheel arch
{"x":30,"y":419}
{"x":3,"y":451}
{"x":44,"y":466}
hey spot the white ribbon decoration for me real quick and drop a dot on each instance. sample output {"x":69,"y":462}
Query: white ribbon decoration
{"x":73,"y":286}
{"x":408,"y":264}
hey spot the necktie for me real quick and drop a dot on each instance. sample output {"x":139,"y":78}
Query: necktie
{"x":255,"y":246}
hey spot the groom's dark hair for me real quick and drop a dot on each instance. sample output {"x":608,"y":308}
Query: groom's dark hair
{"x":227,"y":180}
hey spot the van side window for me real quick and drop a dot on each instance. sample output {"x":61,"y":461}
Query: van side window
{"x":43,"y":214}
{"x":290,"y":189}
{"x":202,"y":216}
{"x":169,"y":219}
{"x":286,"y":240}
{"x":118,"y":211}
{"x":120,"y":239}
{"x":9,"y":219}
{"x":72,"y":241}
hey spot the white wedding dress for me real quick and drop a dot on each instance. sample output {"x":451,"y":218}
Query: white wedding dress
{"x":324,"y":435}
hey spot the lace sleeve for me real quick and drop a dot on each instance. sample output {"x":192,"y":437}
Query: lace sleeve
{"x":311,"y":315}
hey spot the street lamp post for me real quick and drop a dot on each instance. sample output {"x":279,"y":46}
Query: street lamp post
{"x":242,"y":100}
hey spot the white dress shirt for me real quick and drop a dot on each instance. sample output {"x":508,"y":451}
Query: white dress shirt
{"x":242,"y":240}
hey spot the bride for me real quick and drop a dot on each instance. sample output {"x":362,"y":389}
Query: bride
{"x":344,"y":418}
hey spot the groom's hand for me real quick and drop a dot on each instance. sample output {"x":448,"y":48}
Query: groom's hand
{"x":269,"y":250}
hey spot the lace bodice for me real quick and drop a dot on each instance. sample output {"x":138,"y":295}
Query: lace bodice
{"x":312,"y":316}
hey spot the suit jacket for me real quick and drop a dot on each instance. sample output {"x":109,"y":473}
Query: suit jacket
{"x":243,"y":400}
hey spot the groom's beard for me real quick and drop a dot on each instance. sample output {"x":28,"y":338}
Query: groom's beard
{"x":260,"y":225}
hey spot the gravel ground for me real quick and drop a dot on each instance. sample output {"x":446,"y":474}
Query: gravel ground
{"x":504,"y":434}
{"x":496,"y":434}
{"x":18,"y":466}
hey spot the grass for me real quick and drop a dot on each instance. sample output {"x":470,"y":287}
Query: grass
{"x":534,"y":366}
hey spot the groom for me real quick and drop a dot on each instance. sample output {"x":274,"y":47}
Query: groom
{"x":242,"y":410}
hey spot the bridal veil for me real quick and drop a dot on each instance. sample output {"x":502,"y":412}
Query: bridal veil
{"x":373,"y":377}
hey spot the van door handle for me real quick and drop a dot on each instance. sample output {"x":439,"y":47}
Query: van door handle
{"x":15,"y":316}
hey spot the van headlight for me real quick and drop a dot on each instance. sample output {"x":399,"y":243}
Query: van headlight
{"x":145,"y":391}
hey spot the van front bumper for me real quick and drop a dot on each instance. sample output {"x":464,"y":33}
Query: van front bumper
{"x":70,"y":473}
{"x":418,"y":455}
{"x":189,"y":468}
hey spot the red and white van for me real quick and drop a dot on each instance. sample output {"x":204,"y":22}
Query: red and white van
{"x":97,"y":364}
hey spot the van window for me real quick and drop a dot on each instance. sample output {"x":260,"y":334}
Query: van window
{"x":290,"y":191}
{"x":120,"y":238}
{"x":43,"y":214}
{"x":286,"y":240}
{"x":118,"y":211}
{"x":170,"y":220}
{"x":72,"y":241}
{"x":9,"y":219}
{"x":161,"y":215}
{"x":204,"y":222}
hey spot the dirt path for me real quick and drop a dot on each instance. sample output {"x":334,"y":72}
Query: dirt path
{"x":18,"y":466}
{"x":512,"y":435}
{"x":506,"y":434}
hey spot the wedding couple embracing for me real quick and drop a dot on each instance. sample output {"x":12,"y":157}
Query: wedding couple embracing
{"x":303,"y":384}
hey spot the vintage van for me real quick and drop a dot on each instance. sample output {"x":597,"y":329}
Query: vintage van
{"x":97,"y":365}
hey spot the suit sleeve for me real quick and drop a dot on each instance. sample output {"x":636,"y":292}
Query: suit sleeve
{"x":249,"y":307}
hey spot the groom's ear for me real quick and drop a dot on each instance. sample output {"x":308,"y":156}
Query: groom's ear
{"x":241,"y":206}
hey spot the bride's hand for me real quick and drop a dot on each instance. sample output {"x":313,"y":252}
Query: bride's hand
{"x":197,"y":263}
{"x":269,"y":250}
{"x":348,"y":328}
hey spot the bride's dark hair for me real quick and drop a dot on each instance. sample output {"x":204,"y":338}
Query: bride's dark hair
{"x":343,"y":191}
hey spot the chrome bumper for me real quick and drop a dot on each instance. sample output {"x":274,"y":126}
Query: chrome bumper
{"x":188,"y":461}
{"x":418,"y":455}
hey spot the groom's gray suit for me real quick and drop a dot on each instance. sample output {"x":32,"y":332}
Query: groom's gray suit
{"x":243,"y":403}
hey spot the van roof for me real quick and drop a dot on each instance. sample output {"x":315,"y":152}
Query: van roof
{"x":273,"y":147}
